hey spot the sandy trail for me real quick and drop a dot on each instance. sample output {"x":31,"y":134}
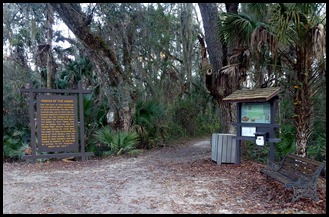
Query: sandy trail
{"x":179,"y":179}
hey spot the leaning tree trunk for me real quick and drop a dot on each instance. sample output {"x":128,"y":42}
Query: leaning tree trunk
{"x":76,"y":21}
{"x":102,"y":52}
{"x":219,"y":84}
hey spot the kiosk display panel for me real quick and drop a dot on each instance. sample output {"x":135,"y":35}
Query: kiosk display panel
{"x":256,"y":113}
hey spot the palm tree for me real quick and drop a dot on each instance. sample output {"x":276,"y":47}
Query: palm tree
{"x":301,"y":30}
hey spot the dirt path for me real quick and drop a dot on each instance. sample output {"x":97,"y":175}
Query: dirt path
{"x":180,"y":179}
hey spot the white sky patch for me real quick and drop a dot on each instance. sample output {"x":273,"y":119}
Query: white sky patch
{"x":65,"y":31}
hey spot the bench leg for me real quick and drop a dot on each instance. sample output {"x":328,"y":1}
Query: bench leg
{"x":309,"y":192}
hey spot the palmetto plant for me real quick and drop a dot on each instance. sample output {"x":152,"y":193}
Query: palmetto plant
{"x":287,"y":144}
{"x":124,"y":142}
{"x":317,"y":151}
{"x":116,"y":142}
{"x":147,"y":121}
{"x":103,"y":138}
{"x":14,"y":145}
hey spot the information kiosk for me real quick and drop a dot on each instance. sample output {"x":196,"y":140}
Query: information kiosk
{"x":256,"y":117}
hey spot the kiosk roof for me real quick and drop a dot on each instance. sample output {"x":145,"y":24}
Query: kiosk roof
{"x":255,"y":95}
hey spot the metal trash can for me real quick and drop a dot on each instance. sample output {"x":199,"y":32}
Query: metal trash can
{"x":223,"y":148}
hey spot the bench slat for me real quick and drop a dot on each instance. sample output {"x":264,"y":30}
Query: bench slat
{"x":304,"y":167}
{"x":294,"y":161}
{"x":309,"y":161}
{"x":278,"y":176}
{"x":298,"y":169}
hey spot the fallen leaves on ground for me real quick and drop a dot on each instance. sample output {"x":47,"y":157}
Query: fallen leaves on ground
{"x":244,"y":181}
{"x":182,"y":178}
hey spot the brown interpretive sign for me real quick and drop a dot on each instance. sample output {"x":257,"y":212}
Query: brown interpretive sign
{"x":57,"y":129}
{"x":57,"y":123}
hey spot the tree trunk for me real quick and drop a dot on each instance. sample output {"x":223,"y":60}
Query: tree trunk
{"x":303,"y":108}
{"x":187,"y":41}
{"x":50,"y":68}
{"x":209,"y":14}
{"x":302,"y":103}
{"x":231,"y":108}
{"x":219,"y":84}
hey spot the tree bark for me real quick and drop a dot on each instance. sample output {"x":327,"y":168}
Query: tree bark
{"x":302,"y":102}
{"x":187,"y":42}
{"x":50,"y":69}
{"x":209,"y":14}
{"x":231,"y":108}
{"x":303,"y":108}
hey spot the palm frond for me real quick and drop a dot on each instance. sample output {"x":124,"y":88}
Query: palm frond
{"x":262,"y":37}
{"x":87,"y":105}
{"x":232,"y":70}
{"x":236,"y":25}
{"x":147,"y":112}
{"x":318,"y":41}
{"x":124,"y":141}
{"x":296,"y":16}
{"x":104,"y":135}
{"x":280,"y":20}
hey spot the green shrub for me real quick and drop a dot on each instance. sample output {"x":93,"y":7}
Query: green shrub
{"x":11,"y":147}
{"x":14,"y":145}
{"x":207,"y":124}
{"x":102,"y":142}
{"x":148,"y":122}
{"x":317,"y":150}
{"x":287,"y":143}
{"x":257,"y":153}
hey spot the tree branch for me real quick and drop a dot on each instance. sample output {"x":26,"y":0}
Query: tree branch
{"x":76,"y":22}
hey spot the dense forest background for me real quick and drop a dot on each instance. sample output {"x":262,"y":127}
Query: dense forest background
{"x":159,"y":71}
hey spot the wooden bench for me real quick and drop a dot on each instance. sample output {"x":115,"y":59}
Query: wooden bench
{"x":298,"y":173}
